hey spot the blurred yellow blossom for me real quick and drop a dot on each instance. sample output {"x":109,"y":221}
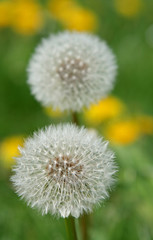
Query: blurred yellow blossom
{"x":145,"y":124}
{"x":80,"y":19}
{"x":5,"y":11}
{"x":128,"y":8}
{"x":53,"y":113}
{"x":26,"y":16}
{"x":73,"y":16}
{"x":123,"y":132}
{"x":106,"y":109}
{"x":58,"y":7}
{"x":9,"y":149}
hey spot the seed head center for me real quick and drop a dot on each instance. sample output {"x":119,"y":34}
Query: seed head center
{"x":71,"y":70}
{"x":63,"y":168}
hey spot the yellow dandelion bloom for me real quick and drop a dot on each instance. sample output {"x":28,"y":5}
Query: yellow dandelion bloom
{"x":106,"y":109}
{"x":5,"y":11}
{"x":128,"y":8}
{"x":58,"y":7}
{"x":26,"y":17}
{"x":124,"y":132}
{"x":80,"y":19}
{"x":145,"y":124}
{"x":73,"y":16}
{"x":53,"y":113}
{"x":9,"y":149}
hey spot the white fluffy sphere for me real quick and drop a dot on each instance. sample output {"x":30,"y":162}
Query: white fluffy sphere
{"x":71,"y":70}
{"x":64,"y":170}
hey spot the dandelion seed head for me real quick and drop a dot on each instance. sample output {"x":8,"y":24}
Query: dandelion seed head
{"x":64,"y":171}
{"x":71,"y":70}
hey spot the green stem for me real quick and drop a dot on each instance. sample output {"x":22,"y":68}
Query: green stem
{"x":84,"y":221}
{"x":75,"y":118}
{"x":70,"y":228}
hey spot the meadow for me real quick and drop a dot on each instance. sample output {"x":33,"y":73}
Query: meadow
{"x":127,"y":27}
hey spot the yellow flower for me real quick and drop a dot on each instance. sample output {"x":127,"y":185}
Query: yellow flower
{"x":26,"y":16}
{"x":5,"y":11}
{"x":106,"y":109}
{"x":79,"y":19}
{"x":123,"y":132}
{"x":58,"y":7}
{"x":53,"y":113}
{"x":9,"y":149}
{"x":128,"y":8}
{"x":145,"y":124}
{"x":73,"y":16}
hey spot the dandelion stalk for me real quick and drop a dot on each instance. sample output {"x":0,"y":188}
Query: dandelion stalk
{"x":70,"y":228}
{"x":83,"y":220}
{"x":75,"y":118}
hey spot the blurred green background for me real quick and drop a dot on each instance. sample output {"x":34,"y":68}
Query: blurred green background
{"x":127,"y":26}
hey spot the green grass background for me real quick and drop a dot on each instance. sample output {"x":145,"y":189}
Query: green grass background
{"x":128,"y":214}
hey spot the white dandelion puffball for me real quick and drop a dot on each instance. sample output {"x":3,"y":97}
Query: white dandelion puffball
{"x":71,"y":70}
{"x":64,"y":170}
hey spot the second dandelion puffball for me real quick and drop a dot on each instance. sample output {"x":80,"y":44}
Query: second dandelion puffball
{"x":64,"y":170}
{"x":71,"y":70}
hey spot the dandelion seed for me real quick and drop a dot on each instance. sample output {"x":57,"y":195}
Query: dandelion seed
{"x":71,"y":70}
{"x":70,"y":181}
